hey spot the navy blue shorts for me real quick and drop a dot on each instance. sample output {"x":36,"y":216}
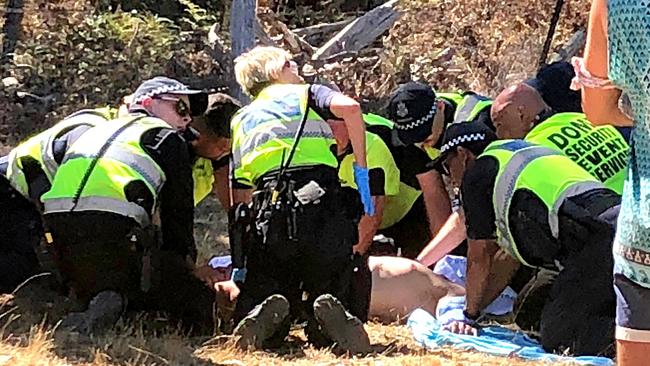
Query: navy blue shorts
{"x":632,"y":310}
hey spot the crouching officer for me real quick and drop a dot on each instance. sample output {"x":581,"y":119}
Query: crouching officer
{"x":210,"y":140}
{"x":544,"y":211}
{"x":383,"y":182}
{"x":25,"y":174}
{"x":299,"y":260}
{"x":519,"y":112}
{"x":120,"y":213}
{"x":419,"y":118}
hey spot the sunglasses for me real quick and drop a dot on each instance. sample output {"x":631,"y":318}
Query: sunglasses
{"x":182,"y":108}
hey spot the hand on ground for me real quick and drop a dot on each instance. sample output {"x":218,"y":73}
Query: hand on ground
{"x":460,"y":327}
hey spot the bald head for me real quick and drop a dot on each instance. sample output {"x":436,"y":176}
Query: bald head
{"x":515,"y":110}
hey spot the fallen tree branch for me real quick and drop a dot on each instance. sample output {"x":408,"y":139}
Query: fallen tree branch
{"x":293,"y":42}
{"x":361,"y":32}
{"x":262,"y":36}
{"x":571,"y":48}
{"x":322,"y":28}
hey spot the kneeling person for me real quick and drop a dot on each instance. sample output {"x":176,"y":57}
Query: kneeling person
{"x":120,"y":213}
{"x":542,"y":209}
{"x":298,"y":252}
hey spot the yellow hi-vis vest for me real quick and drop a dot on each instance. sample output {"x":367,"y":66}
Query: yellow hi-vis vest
{"x":468,"y":105}
{"x":123,"y":162}
{"x":600,"y":150}
{"x":264,"y":131}
{"x":40,"y":147}
{"x":372,"y":119}
{"x":523,"y":165}
{"x":203,"y":177}
{"x":378,"y":157}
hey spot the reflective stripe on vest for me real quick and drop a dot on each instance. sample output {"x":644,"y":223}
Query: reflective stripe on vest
{"x":81,"y":118}
{"x":40,"y":148}
{"x":470,"y":107}
{"x":123,"y":162}
{"x":264,"y":132}
{"x":571,"y":181}
{"x":91,"y":203}
{"x":600,"y":150}
{"x":139,"y":163}
{"x":286,"y":131}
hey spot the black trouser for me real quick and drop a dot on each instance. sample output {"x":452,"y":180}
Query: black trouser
{"x":94,"y":253}
{"x":21,"y":232}
{"x":305,"y":252}
{"x":579,"y":311}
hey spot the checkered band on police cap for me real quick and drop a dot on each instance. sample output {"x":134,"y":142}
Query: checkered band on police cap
{"x":465,"y":133}
{"x":161,"y":85}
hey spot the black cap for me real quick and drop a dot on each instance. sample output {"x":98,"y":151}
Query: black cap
{"x":164,"y":85}
{"x":553,"y":83}
{"x":474,"y":136}
{"x":412,"y":107}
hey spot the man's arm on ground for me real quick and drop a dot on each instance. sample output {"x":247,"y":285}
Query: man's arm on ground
{"x":436,"y":199}
{"x":448,"y":238}
{"x":368,"y":226}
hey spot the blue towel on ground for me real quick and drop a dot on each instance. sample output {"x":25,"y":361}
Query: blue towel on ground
{"x":496,"y":341}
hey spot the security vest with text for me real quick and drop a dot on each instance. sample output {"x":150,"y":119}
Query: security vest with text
{"x":40,"y":148}
{"x":600,"y":150}
{"x":264,"y":132}
{"x":524,"y":165}
{"x":100,"y":164}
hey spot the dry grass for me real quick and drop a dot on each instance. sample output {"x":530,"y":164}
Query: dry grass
{"x":129,"y":344}
{"x":28,"y":335}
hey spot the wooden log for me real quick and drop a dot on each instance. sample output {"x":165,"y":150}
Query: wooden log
{"x":262,"y":36}
{"x":572,"y":47}
{"x":242,"y":35}
{"x":361,"y":32}
{"x":322,"y":28}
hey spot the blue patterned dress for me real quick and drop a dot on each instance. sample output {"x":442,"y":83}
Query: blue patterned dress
{"x":629,"y":69}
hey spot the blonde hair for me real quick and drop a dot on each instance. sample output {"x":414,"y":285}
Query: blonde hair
{"x":259,"y":67}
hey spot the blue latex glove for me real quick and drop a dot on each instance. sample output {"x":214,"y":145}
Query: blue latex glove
{"x":363,"y":186}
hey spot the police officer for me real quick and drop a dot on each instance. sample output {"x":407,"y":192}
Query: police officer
{"x":544,"y":211}
{"x":383,"y":181}
{"x":299,"y":259}
{"x":25,"y":174}
{"x":420,"y":117}
{"x":520,"y":112}
{"x":120,"y":213}
{"x":211,"y":147}
{"x":31,"y":166}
